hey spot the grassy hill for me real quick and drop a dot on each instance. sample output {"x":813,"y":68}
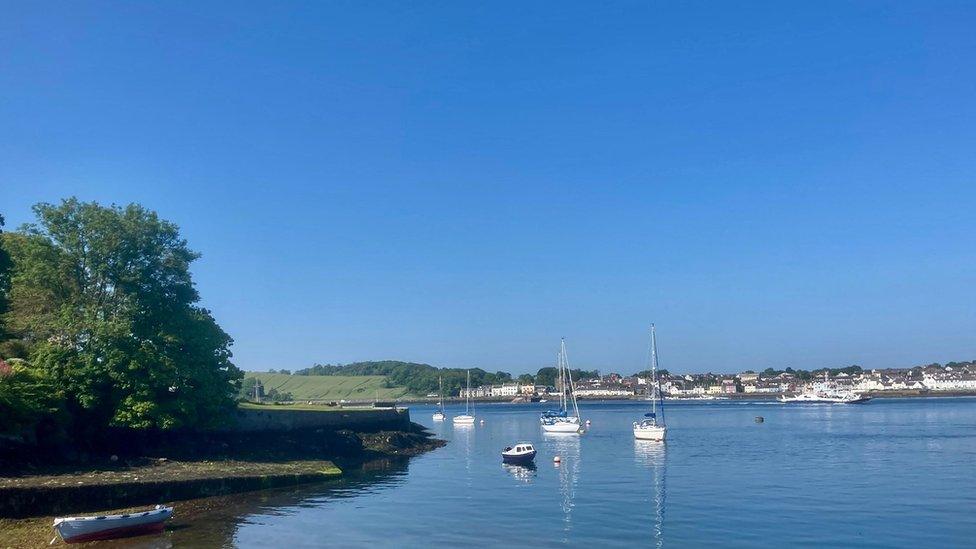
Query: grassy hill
{"x":329,"y":387}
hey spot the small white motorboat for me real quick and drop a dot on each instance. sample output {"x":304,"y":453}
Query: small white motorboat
{"x":519,"y":453}
{"x":82,"y":529}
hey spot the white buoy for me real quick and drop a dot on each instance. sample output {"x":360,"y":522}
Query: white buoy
{"x":482,"y":422}
{"x":587,"y":422}
{"x":556,"y":459}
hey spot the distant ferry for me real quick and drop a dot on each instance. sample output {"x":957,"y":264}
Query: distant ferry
{"x":820,"y":397}
{"x":826,"y":393}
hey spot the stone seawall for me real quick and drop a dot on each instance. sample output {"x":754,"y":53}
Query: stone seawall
{"x":279,"y":418}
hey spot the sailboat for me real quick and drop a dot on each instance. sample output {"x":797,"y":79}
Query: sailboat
{"x":467,"y":418}
{"x":562,"y":421}
{"x":650,"y":427}
{"x":439,"y":414}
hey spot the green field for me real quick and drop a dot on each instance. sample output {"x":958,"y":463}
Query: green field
{"x":329,"y":387}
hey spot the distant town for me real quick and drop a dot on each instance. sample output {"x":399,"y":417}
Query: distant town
{"x":952,"y":378}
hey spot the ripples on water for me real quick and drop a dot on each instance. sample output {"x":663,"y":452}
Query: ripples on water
{"x":891,"y":473}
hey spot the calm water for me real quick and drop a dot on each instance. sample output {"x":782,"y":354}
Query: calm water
{"x":891,"y":473}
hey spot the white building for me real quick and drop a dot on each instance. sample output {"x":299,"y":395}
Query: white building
{"x":477,"y":392}
{"x":506,"y":390}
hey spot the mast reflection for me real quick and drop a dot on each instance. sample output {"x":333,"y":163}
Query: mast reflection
{"x":567,"y":447}
{"x":652,"y":454}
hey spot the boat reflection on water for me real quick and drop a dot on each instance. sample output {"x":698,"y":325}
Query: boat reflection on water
{"x":567,"y":447}
{"x":524,"y":473}
{"x":464,"y":437}
{"x":652,"y":454}
{"x":142,"y":542}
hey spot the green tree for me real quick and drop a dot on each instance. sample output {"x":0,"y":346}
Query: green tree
{"x":5,"y":266}
{"x":546,"y":376}
{"x":247,"y":388}
{"x":104,"y":299}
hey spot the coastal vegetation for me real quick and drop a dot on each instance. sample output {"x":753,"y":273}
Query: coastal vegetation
{"x":101,"y":328}
{"x":423,"y":379}
{"x":117,"y":387}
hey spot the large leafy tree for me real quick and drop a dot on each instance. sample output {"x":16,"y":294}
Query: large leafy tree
{"x":104,"y":299}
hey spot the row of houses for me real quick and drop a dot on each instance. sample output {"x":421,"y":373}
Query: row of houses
{"x":513,"y":390}
{"x":506,"y":390}
{"x":960,"y":377}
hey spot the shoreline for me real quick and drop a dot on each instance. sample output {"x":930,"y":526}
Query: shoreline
{"x":36,"y":531}
{"x":30,"y":502}
{"x":719,"y":398}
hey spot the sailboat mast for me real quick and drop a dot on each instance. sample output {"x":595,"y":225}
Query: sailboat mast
{"x":655,"y":389}
{"x":569,"y":377}
{"x":561,"y":382}
{"x":467,"y":394}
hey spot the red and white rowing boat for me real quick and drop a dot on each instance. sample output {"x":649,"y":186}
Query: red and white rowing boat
{"x":81,"y":529}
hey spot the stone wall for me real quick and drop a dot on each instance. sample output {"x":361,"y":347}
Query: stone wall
{"x":279,"y":418}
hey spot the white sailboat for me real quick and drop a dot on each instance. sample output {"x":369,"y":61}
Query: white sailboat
{"x":563,"y":420}
{"x":467,"y":418}
{"x":439,"y":414}
{"x":651,"y":427}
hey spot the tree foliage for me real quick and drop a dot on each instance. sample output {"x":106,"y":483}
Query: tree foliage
{"x":5,"y":266}
{"x":418,"y":378}
{"x":422,"y":379}
{"x":27,"y":397}
{"x":103,"y":299}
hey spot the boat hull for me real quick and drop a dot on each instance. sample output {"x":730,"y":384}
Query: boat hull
{"x":519,"y":459}
{"x":438,"y":417}
{"x":85,"y":529}
{"x":650,"y":433}
{"x":565,"y":427}
{"x":858,"y":400}
{"x":463,"y":420}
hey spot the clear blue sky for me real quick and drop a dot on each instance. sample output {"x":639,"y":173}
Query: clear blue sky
{"x":459,"y":184}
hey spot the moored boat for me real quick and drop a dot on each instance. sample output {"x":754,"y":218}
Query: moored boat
{"x":439,"y":414}
{"x":102,"y":527}
{"x":467,"y":418}
{"x":519,"y":453}
{"x":562,"y":421}
{"x":651,"y":427}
